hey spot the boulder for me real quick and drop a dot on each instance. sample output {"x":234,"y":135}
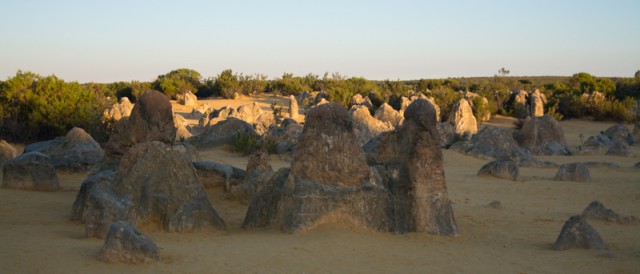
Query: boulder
{"x":404,"y":104}
{"x":224,"y":132}
{"x":597,"y":142}
{"x":493,"y":143}
{"x":577,"y":172}
{"x":620,"y":149}
{"x":462,"y":119}
{"x":596,"y":210}
{"x":151,"y":120}
{"x":214,"y":174}
{"x":248,"y":113}
{"x":293,"y":107}
{"x":501,"y":168}
{"x":433,"y":103}
{"x":359,"y":100}
{"x":518,"y":103}
{"x":265,"y":121}
{"x":76,"y":151}
{"x":126,"y":244}
{"x":365,"y":127}
{"x":387,"y":114}
{"x":329,"y":181}
{"x":543,"y":136}
{"x":171,"y":196}
{"x":577,"y":233}
{"x":215,"y":116}
{"x":119,"y":110}
{"x":447,"y":134}
{"x":258,"y":173}
{"x":183,"y":130}
{"x":30,"y":171}
{"x":410,"y":162}
{"x":285,"y":137}
{"x":189,"y":99}
{"x":327,"y":150}
{"x":136,"y":190}
{"x":620,"y":133}
{"x":536,"y":104}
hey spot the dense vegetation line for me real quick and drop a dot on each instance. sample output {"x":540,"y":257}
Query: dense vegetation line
{"x":34,"y":107}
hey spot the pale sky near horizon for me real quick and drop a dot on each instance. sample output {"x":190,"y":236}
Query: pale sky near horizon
{"x":107,"y":41}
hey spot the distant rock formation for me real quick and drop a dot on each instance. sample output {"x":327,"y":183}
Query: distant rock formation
{"x":543,"y":136}
{"x":119,"y":110}
{"x":30,"y":171}
{"x":576,"y":172}
{"x":462,"y":118}
{"x":76,"y":151}
{"x":387,"y":114}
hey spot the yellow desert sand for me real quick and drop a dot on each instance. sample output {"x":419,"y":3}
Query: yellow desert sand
{"x":36,"y":235}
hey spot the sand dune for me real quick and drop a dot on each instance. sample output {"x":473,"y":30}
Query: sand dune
{"x":37,"y":236}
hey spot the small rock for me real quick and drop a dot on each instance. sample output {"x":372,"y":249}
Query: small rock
{"x":597,"y":210}
{"x":501,"y":168}
{"x":573,"y":172}
{"x":126,"y":244}
{"x":577,"y":233}
{"x":30,"y":171}
{"x":495,"y":204}
{"x":620,"y":149}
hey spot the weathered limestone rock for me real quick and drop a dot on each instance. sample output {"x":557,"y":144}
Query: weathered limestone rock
{"x":150,"y":120}
{"x":213,"y":174}
{"x":577,"y":233}
{"x":462,"y":118}
{"x":151,"y":184}
{"x":620,"y":133}
{"x":76,"y":151}
{"x":597,"y":142}
{"x":284,"y":136}
{"x":293,"y":107}
{"x":482,"y":104}
{"x":536,"y":104}
{"x":359,"y":100}
{"x":495,"y":204}
{"x":119,"y":110}
{"x":264,"y":122}
{"x":543,"y":136}
{"x":596,"y":210}
{"x":620,"y":149}
{"x":126,"y":244}
{"x":387,"y":114}
{"x":225,"y":132}
{"x":573,"y":172}
{"x":327,"y":150}
{"x":404,"y":104}
{"x":248,"y":113}
{"x":447,"y":134}
{"x":410,"y":161}
{"x":7,"y":152}
{"x":214,"y":116}
{"x":518,"y":103}
{"x":171,"y":195}
{"x":183,"y":130}
{"x":494,"y":143}
{"x":30,"y":171}
{"x":259,"y":172}
{"x":189,"y":99}
{"x":501,"y":168}
{"x":365,"y":127}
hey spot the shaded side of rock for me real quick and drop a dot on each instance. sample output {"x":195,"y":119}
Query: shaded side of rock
{"x":327,"y":151}
{"x":447,"y":134}
{"x":30,"y":171}
{"x":577,"y":172}
{"x":76,"y":151}
{"x":225,"y":132}
{"x":170,"y":196}
{"x":577,"y":233}
{"x":543,"y":136}
{"x":126,"y":244}
{"x":258,"y":173}
{"x":620,"y":149}
{"x":501,"y":168}
{"x":285,"y":137}
{"x":620,"y":133}
{"x":596,"y":210}
{"x":151,"y":120}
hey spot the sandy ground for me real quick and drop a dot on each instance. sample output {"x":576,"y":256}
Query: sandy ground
{"x":37,"y":236}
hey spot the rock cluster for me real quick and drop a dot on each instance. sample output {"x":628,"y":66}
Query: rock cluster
{"x":76,"y":151}
{"x":398,"y":185}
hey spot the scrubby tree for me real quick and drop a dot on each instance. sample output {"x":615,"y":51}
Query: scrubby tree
{"x":226,"y":84}
{"x":178,"y":82}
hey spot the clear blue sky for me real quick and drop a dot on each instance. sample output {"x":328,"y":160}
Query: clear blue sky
{"x":108,"y":41}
